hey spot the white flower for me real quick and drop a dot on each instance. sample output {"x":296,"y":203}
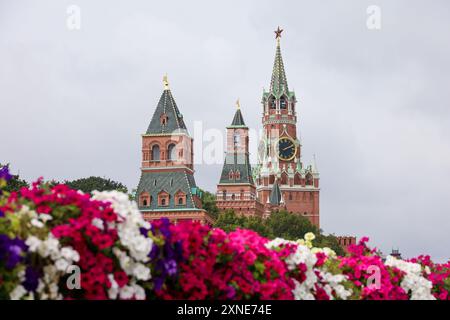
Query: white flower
{"x":70,"y":254}
{"x":33,"y":243}
{"x":62,"y":264}
{"x":37,"y":223}
{"x":309,"y":236}
{"x":141,"y":272}
{"x":45,"y":217}
{"x":113,"y":292}
{"x":96,"y":222}
{"x":413,"y":282}
{"x":139,"y":292}
{"x":17,"y":293}
{"x":126,"y":292}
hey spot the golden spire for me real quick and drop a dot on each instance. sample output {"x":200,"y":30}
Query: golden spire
{"x":165,"y":82}
{"x":238,"y":104}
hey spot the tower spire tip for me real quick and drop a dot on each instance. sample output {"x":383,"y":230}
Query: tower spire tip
{"x":165,"y":82}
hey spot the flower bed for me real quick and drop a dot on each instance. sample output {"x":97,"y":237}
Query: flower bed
{"x":58,"y":243}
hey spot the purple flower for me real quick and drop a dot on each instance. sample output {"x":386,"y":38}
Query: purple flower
{"x":4,"y":173}
{"x":11,"y":251}
{"x":31,"y":279}
{"x":230,"y":292}
{"x":171,"y":267}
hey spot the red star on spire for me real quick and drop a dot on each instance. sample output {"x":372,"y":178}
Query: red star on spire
{"x":278,"y":32}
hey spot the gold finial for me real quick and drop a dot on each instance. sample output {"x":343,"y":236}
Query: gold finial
{"x":165,"y":82}
{"x":238,"y":104}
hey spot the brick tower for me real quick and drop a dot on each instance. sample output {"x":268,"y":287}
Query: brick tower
{"x":167,"y":187}
{"x":279,"y":152}
{"x":236,"y":189}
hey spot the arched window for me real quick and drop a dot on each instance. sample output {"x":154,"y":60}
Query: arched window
{"x":284,"y":178}
{"x":231,"y":175}
{"x":283,"y":103}
{"x":155,"y":153}
{"x":224,"y":194}
{"x":145,"y":199}
{"x":180,"y":201}
{"x":272,"y":104}
{"x":272,"y":179}
{"x":233,"y":196}
{"x":237,"y":139}
{"x":163,"y":201}
{"x":297,"y":179}
{"x":164,"y":119}
{"x":309,"y":179}
{"x":172,"y":152}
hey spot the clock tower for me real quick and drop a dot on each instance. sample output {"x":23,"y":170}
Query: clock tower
{"x":280,"y":165}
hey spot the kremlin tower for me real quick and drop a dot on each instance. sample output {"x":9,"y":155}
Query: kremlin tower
{"x":167,"y":186}
{"x":280,"y":178}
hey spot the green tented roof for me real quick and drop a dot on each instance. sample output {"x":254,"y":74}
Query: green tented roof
{"x":166,"y":106}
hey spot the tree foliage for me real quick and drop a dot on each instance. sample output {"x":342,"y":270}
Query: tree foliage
{"x":15,"y":183}
{"x":209,"y":203}
{"x":88,"y":185}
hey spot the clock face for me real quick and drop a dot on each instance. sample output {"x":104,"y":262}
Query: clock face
{"x":286,"y":149}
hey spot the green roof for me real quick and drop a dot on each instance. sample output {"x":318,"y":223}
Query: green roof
{"x":237,"y":162}
{"x":166,"y":106}
{"x":278,"y":82}
{"x":171,"y":182}
{"x":275,"y":194}
{"x":238,"y":120}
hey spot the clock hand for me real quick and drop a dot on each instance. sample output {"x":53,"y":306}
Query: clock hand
{"x":286,"y":148}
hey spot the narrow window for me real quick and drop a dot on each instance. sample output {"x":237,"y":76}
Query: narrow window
{"x":283,"y":103}
{"x":171,"y":152}
{"x":155,"y":153}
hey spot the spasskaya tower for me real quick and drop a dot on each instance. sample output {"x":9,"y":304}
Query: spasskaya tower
{"x":280,"y":170}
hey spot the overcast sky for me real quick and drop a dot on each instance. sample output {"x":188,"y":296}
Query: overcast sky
{"x":373,"y":104}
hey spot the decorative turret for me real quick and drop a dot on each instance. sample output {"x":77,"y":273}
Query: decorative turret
{"x":278,"y":82}
{"x":278,"y":97}
{"x":167,"y":186}
{"x":276,"y":198}
{"x":280,"y":169}
{"x":236,"y":189}
{"x":238,"y":119}
{"x":166,"y":118}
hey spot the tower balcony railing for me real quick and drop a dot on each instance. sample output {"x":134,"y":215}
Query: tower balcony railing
{"x":246,"y":196}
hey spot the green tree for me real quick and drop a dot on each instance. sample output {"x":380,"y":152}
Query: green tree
{"x":15,"y":184}
{"x":229,"y":221}
{"x":290,"y":226}
{"x":329,"y":241}
{"x":88,"y":185}
{"x":209,"y":203}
